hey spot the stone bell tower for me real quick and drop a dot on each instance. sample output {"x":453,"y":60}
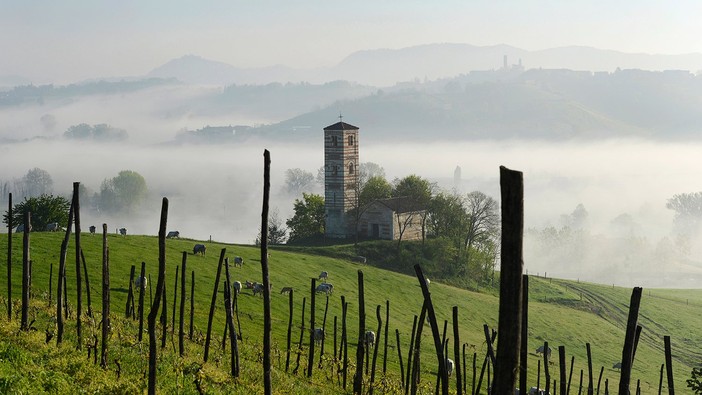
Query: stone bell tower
{"x":340,"y":178}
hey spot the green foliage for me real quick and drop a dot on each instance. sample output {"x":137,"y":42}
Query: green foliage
{"x":44,"y":210}
{"x":277,"y":233}
{"x":308,"y":220}
{"x":695,"y":381}
{"x":122,"y":193}
{"x":377,"y":187}
{"x":415,"y":187}
{"x":101,"y":132}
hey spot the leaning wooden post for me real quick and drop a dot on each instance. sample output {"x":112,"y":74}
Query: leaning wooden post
{"x":457,"y":351}
{"x":375,"y":349}
{"x":87,"y":284}
{"x":344,"y":340}
{"x":360,"y":350}
{"x":181,"y":317}
{"x":562,"y":368}
{"x":399,"y":358}
{"x":570,"y":375}
{"x":523,"y":356}
{"x":511,"y":267}
{"x":192,"y":304}
{"x":230,"y":322}
{"x":9,"y":259}
{"x":669,"y":364}
{"x":302,"y":336}
{"x":547,"y":374}
{"x":212,"y":305}
{"x":410,"y":355}
{"x":266,"y":281}
{"x":79,"y":285}
{"x":105,"y":296}
{"x":310,"y":359}
{"x":628,"y":350}
{"x":25,"y":272}
{"x":385,"y":343}
{"x":660,"y":380}
{"x":438,"y":345}
{"x":160,"y":285}
{"x":141,"y":298}
{"x":61,"y":278}
{"x":590,"y":381}
{"x":290,"y":322}
{"x":324,"y":331}
{"x":164,"y":319}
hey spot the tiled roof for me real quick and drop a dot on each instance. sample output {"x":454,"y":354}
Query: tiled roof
{"x":341,"y":126}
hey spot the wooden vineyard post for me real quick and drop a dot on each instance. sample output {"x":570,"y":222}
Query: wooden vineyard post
{"x":669,"y":365}
{"x":302,"y":336}
{"x":414,"y":381}
{"x":290,"y":322}
{"x":523,"y":356}
{"x":324,"y":331}
{"x":360,"y":350}
{"x":399,"y":357}
{"x":230,"y":323}
{"x":9,"y":259}
{"x":590,"y":382}
{"x":385,"y":343}
{"x":87,"y":284}
{"x":628,"y":350}
{"x":410,"y":354}
{"x":175,"y":300}
{"x":457,"y":351}
{"x":105,"y":297}
{"x":547,"y":375}
{"x":79,"y":285}
{"x":511,"y":267}
{"x":562,"y":369}
{"x":310,"y":359}
{"x":434,"y":330}
{"x":159,"y":292}
{"x":51,"y":279}
{"x":25,"y":272}
{"x":267,"y":388}
{"x":141,"y":298}
{"x":181,"y":317}
{"x":375,"y":349}
{"x":60,"y":287}
{"x":192,"y":304}
{"x":164,"y":319}
{"x":344,"y":339}
{"x":212,"y":305}
{"x":129,"y":309}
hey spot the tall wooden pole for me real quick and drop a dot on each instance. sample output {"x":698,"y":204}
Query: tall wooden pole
{"x":9,"y":259}
{"x":79,"y":285}
{"x":60,"y":288}
{"x":360,"y":350}
{"x":510,"y":315}
{"x":628,"y":349}
{"x":25,"y":272}
{"x":105,"y":297}
{"x":181,"y":319}
{"x":160,"y":285}
{"x":212,"y":304}
{"x":264,"y":272}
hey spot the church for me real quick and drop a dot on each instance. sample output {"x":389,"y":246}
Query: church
{"x":388,"y":219}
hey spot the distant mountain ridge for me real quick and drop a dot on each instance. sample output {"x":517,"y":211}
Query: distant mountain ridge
{"x":386,"y":67}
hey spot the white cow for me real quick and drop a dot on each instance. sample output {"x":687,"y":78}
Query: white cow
{"x":327,"y":288}
{"x":237,"y":287}
{"x":370,"y":338}
{"x":141,"y":282}
{"x":449,"y":366}
{"x":324,"y":276}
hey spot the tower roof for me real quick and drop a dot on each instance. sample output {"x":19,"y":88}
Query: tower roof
{"x":341,"y":126}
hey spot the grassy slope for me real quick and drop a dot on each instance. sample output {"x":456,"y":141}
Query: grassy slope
{"x":561,"y":312}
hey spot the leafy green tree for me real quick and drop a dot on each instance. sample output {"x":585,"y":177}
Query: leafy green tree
{"x":277,"y":233}
{"x":123,"y":193}
{"x":447,"y":217}
{"x":308,"y":220}
{"x":44,"y":210}
{"x":376,"y":187}
{"x":418,"y":192}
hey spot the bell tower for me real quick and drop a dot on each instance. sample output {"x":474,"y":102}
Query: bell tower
{"x":340,"y":178}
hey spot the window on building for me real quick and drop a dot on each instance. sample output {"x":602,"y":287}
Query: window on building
{"x":334,"y":140}
{"x":350,"y":139}
{"x":351,"y":168}
{"x":335,"y":170}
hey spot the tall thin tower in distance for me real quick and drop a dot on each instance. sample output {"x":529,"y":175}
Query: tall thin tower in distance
{"x":340,"y":177}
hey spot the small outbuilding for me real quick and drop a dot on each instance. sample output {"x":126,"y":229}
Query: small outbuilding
{"x":391,"y":219}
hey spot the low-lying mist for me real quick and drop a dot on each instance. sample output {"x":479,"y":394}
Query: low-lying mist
{"x":216,"y":191}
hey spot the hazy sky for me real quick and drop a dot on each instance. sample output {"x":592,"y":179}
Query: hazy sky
{"x":71,"y":40}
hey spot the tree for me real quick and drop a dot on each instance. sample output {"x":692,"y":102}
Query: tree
{"x":308,"y":220}
{"x":688,"y":211}
{"x":418,"y":192}
{"x":37,"y":182}
{"x":483,"y":222}
{"x":45,"y":209}
{"x":122,"y":193}
{"x":277,"y":234}
{"x":447,"y":217}
{"x":368,"y":170}
{"x":376,"y":187}
{"x":298,"y":181}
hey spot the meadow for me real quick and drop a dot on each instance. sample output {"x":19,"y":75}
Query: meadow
{"x":561,"y":312}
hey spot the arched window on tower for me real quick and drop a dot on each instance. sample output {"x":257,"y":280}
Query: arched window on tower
{"x":351,"y":169}
{"x":350,"y":139}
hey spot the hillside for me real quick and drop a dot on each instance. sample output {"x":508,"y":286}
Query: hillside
{"x":561,"y":312}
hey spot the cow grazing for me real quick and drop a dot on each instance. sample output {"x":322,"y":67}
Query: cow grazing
{"x":449,"y":366}
{"x":617,"y":365}
{"x":285,"y":290}
{"x":258,"y":288}
{"x":427,"y":280}
{"x":20,"y":228}
{"x":248,"y":284}
{"x":174,"y":234}
{"x":141,"y":282}
{"x":199,"y":249}
{"x":238,"y":261}
{"x":52,"y":227}
{"x":540,"y":350}
{"x":318,"y":336}
{"x":123,"y":231}
{"x":324,"y":276}
{"x":237,"y":287}
{"x":327,"y":288}
{"x":92,"y":229}
{"x":369,"y":339}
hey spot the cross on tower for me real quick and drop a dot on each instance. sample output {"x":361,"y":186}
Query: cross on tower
{"x":340,"y":118}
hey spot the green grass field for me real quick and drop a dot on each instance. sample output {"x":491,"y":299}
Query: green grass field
{"x":564,"y":313}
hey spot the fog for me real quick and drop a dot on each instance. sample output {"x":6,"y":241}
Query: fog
{"x":216,"y":191}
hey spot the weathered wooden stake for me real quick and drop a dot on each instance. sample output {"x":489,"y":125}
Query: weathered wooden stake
{"x":164,"y":319}
{"x":79,"y":285}
{"x":628,"y":350}
{"x":590,"y":382}
{"x":105,"y":296}
{"x":230,"y":323}
{"x":267,"y":388}
{"x":457,"y":351}
{"x":87,"y":284}
{"x":562,"y":369}
{"x":385,"y":343}
{"x":141,"y":298}
{"x":360,"y":350}
{"x":410,"y":354}
{"x":290,"y":321}
{"x":414,"y":382}
{"x":302,"y":336}
{"x":547,"y":375}
{"x":181,"y":317}
{"x":375,"y":349}
{"x":324,"y":331}
{"x":310,"y":358}
{"x":175,"y":299}
{"x":129,"y":309}
{"x":599,"y":380}
{"x":160,"y":285}
{"x":192,"y":304}
{"x":570,"y":375}
{"x":9,"y":259}
{"x":523,"y":351}
{"x":25,"y":272}
{"x":212,"y":305}
{"x":511,"y":268}
{"x":669,"y":364}
{"x":660,"y":380}
{"x":60,"y":287}
{"x":399,"y":356}
{"x":344,"y":339}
